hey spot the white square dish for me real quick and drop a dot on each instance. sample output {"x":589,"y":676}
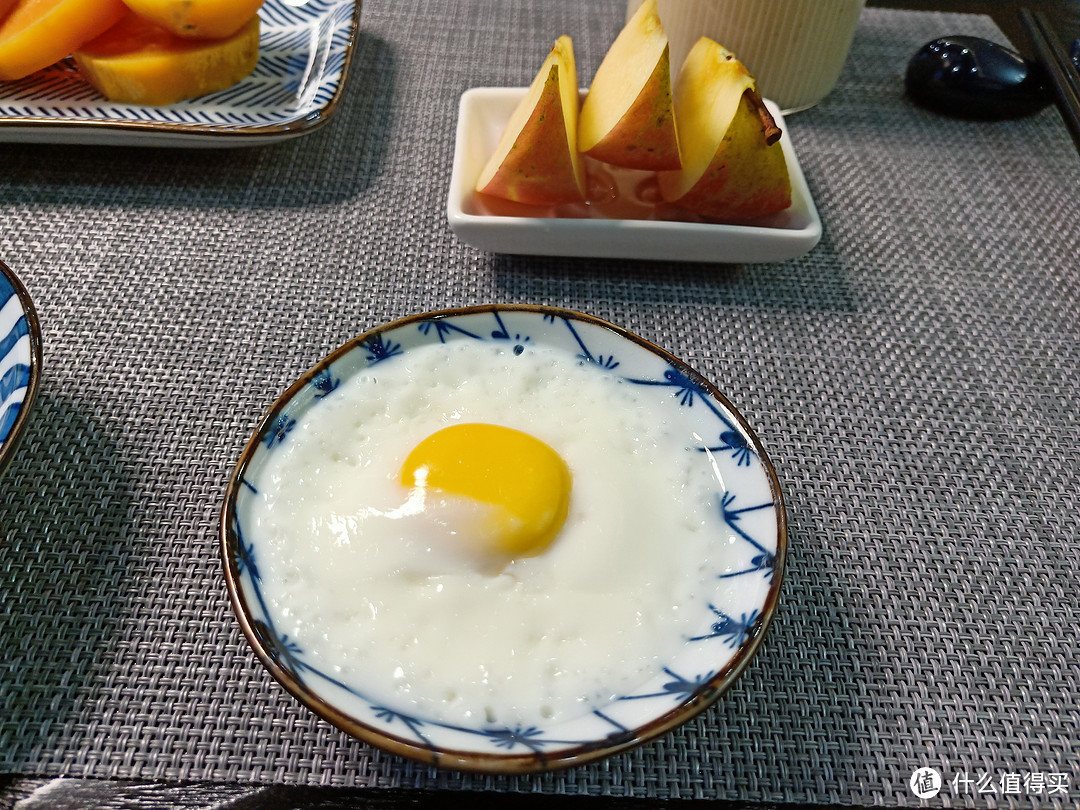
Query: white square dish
{"x":482,"y":115}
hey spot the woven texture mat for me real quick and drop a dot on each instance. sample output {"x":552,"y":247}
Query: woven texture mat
{"x":914,"y":378}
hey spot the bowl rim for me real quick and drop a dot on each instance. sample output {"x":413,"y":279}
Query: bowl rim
{"x":535,"y":761}
{"x":10,"y":443}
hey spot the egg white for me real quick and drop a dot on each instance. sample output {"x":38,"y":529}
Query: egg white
{"x":375,"y":588}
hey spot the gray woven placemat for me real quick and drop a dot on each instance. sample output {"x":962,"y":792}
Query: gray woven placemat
{"x":914,"y":379}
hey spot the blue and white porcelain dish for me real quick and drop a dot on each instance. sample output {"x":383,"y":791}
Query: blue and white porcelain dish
{"x":728,"y":622}
{"x":20,"y":360}
{"x":304,"y":53}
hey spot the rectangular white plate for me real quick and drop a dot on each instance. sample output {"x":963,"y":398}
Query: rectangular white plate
{"x":482,"y":116}
{"x":304,"y":54}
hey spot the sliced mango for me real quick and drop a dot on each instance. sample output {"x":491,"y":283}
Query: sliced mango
{"x":5,"y":7}
{"x":36,"y":33}
{"x":198,"y":19}
{"x":138,"y":62}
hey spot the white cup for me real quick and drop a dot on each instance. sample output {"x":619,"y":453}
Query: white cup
{"x":794,"y":48}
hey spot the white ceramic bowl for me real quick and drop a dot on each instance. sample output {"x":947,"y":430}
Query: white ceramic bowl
{"x":728,"y":622}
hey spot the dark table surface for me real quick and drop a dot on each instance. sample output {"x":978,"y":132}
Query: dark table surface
{"x":913,"y":377}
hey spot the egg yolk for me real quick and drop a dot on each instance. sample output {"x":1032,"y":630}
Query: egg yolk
{"x":525,"y":481}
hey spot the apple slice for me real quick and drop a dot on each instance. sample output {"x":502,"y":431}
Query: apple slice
{"x":627,"y":119}
{"x":733,"y":164}
{"x":536,"y":160}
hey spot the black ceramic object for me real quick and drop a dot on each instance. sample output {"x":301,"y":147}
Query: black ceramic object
{"x":971,"y":77}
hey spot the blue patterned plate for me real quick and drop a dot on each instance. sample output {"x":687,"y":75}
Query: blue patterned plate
{"x":304,"y":54}
{"x":748,"y":541}
{"x":20,"y":360}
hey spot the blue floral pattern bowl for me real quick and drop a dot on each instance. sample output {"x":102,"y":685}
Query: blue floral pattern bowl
{"x":20,"y":360}
{"x":728,"y":622}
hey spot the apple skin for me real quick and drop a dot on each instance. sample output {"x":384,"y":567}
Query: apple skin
{"x":733,"y":165}
{"x":628,"y":117}
{"x":536,"y":160}
{"x":747,"y":178}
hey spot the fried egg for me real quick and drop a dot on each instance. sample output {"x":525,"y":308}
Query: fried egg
{"x":472,"y":533}
{"x":524,"y":484}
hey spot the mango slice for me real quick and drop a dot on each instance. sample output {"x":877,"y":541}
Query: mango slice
{"x":37,"y":33}
{"x":198,"y":19}
{"x":138,"y":62}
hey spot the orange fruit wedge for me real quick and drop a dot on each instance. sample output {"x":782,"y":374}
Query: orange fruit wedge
{"x":138,"y":62}
{"x":5,"y":7}
{"x":37,"y":33}
{"x":198,"y":19}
